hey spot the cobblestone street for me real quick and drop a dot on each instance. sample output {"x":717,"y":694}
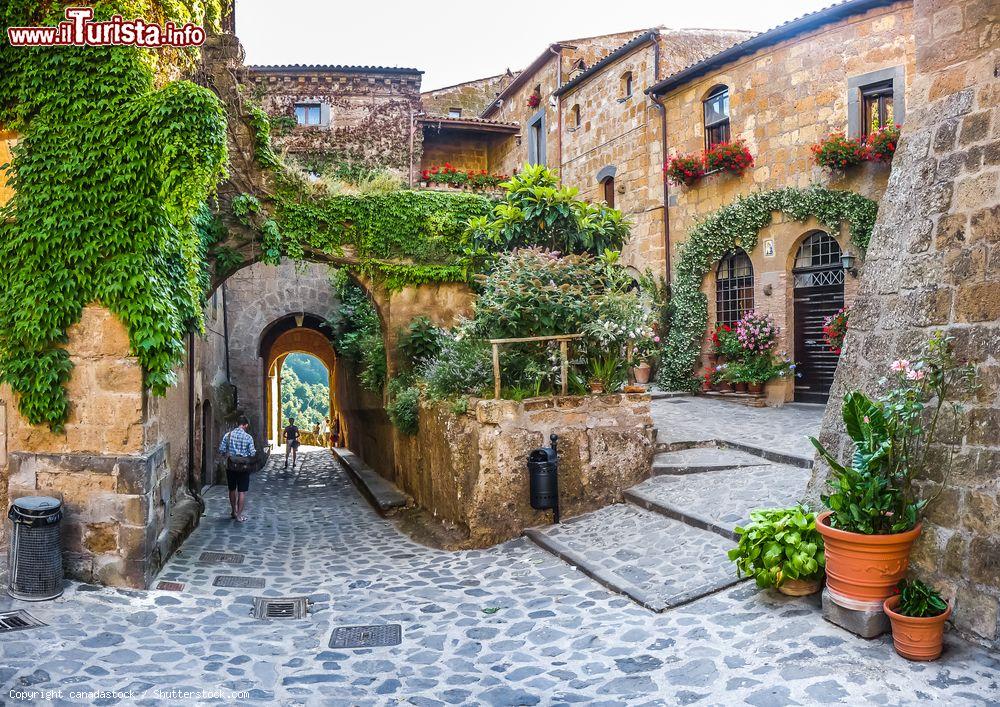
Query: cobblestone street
{"x":510,"y":625}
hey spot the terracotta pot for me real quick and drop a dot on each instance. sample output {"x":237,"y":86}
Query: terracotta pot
{"x":596,"y":387}
{"x":641,"y":372}
{"x":916,"y":637}
{"x":755,"y":388}
{"x":740,"y":386}
{"x":800,"y":587}
{"x":863,"y":570}
{"x":634,"y":389}
{"x":724,"y":387}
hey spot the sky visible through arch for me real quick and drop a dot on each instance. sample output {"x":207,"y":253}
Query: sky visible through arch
{"x":455,"y":41}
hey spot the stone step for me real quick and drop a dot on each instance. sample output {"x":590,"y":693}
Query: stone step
{"x":700,"y":459}
{"x":765,"y":454}
{"x":381,"y":492}
{"x":720,"y":500}
{"x":658,"y":562}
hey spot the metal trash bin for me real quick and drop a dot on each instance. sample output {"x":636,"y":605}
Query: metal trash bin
{"x":543,"y":478}
{"x":35,"y":563}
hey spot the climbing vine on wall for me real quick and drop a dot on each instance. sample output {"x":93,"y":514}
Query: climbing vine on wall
{"x":110,"y":176}
{"x":737,"y":225}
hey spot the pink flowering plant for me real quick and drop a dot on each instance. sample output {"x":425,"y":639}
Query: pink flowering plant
{"x":898,"y":437}
{"x":757,"y":332}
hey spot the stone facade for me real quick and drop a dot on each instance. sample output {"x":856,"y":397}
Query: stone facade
{"x":471,"y":470}
{"x":366,"y":118}
{"x":933,"y":266}
{"x":469,"y":97}
{"x":784,"y":98}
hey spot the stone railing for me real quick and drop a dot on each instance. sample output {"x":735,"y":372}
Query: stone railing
{"x":471,"y":469}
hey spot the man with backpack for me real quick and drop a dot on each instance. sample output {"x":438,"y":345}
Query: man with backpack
{"x":240,"y":456}
{"x":291,"y":441}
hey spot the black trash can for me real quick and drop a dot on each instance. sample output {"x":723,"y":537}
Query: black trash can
{"x":35,"y":561}
{"x":543,"y":478}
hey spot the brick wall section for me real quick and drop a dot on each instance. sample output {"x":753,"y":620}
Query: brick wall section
{"x":934,"y":264}
{"x":784,"y":99}
{"x":370,"y":114}
{"x":471,"y":96}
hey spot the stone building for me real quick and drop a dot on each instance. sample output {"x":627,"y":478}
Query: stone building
{"x":932,"y":266}
{"x":781,"y":92}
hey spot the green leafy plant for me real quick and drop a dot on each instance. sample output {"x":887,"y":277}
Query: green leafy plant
{"x":738,"y":224}
{"x":115,"y":162}
{"x":357,"y":331}
{"x":778,"y":545}
{"x":537,"y":211}
{"x":893,"y":437}
{"x":420,"y":342}
{"x":403,"y":407}
{"x":918,"y":599}
{"x":463,"y":366}
{"x":610,"y":371}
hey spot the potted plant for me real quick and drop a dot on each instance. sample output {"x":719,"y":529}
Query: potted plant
{"x":720,"y":382}
{"x":838,"y":152}
{"x":917,"y":615}
{"x":607,"y":374}
{"x":874,"y":511}
{"x":646,"y":347}
{"x":835,"y":329}
{"x":736,"y":373}
{"x":706,"y":379}
{"x":782,"y":549}
{"x":685,"y":169}
{"x":733,"y":157}
{"x":880,"y":144}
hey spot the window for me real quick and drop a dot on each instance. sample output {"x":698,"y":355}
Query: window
{"x":536,"y":140}
{"x":733,"y":287}
{"x":454,"y":112}
{"x":574,"y":116}
{"x":627,"y":85}
{"x":817,"y":262}
{"x":609,"y":191}
{"x":717,"y":117}
{"x":307,"y":113}
{"x":876,"y":107}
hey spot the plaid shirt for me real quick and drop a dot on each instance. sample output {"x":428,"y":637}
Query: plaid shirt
{"x":238,"y":443}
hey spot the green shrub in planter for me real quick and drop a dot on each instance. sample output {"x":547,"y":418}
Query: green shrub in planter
{"x":404,"y":406}
{"x":778,"y":545}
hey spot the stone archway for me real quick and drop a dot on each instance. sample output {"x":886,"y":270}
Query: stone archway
{"x":306,"y":339}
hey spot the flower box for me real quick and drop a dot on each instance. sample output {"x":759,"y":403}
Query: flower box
{"x":733,"y":157}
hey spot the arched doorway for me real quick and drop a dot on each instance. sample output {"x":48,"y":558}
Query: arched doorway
{"x":818,"y":292}
{"x":307,"y":334}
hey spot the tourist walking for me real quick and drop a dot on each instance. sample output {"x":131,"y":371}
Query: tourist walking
{"x":335,"y":431}
{"x":291,"y":441}
{"x":240,"y":455}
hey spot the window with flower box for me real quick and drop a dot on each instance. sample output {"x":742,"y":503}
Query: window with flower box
{"x":733,"y":287}
{"x":717,"y":117}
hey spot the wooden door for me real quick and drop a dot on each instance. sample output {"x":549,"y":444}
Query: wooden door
{"x":819,"y":293}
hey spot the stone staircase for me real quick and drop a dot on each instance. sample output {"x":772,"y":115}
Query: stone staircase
{"x":666,"y":545}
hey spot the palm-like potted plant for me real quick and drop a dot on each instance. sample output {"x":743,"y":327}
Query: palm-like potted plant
{"x":781,"y":548}
{"x":874,"y":508}
{"x":917,"y":615}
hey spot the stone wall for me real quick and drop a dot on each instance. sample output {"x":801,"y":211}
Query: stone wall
{"x":368,"y":113}
{"x":471,"y":97}
{"x":470,"y":469}
{"x":463,"y":151}
{"x":932,"y":266}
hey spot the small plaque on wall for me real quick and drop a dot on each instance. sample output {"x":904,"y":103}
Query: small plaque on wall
{"x":769,"y":248}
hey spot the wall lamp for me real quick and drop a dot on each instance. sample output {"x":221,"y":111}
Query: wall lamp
{"x":848,"y":260}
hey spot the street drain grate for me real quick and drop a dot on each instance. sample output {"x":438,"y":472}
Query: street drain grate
{"x":284,"y":608}
{"x":18,"y":621}
{"x":170,"y":586}
{"x":229,"y":558}
{"x":366,"y":636}
{"x":245,"y":582}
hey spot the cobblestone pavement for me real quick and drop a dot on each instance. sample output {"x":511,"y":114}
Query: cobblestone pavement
{"x":510,"y":625}
{"x":726,"y":497}
{"x":783,"y":429}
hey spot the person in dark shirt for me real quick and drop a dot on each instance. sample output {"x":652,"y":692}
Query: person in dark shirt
{"x":291,"y":441}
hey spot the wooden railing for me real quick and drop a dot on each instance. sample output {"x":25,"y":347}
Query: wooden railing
{"x":563,"y":340}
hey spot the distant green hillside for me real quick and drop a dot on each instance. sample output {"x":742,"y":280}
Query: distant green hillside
{"x":305,"y":393}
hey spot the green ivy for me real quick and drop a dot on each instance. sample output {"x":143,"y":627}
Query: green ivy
{"x":738,"y":225}
{"x":110,"y":178}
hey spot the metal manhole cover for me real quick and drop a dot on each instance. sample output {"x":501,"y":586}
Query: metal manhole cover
{"x":366,"y":636}
{"x":18,"y":621}
{"x":245,"y":582}
{"x":170,"y":586}
{"x":229,"y":558}
{"x":282,"y":608}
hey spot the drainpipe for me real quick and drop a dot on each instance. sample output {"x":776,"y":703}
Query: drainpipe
{"x":663,"y":153}
{"x":192,"y":483}
{"x":558,"y":54}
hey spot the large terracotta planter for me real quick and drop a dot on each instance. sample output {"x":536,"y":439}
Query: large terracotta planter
{"x":916,"y":637}
{"x":641,"y":372}
{"x":740,"y":386}
{"x":863,"y":570}
{"x":755,"y":388}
